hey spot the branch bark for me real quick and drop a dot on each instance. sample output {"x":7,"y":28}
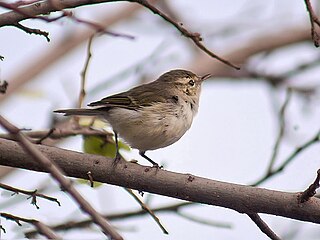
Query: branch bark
{"x":45,"y":7}
{"x":244,"y":199}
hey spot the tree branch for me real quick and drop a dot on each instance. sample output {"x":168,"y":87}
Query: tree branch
{"x":281,"y":130}
{"x":57,"y":173}
{"x":64,"y":13}
{"x":38,"y":8}
{"x":176,"y":185}
{"x":195,"y":37}
{"x":84,"y":73}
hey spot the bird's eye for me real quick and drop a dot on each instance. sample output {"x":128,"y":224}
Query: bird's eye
{"x":191,"y":82}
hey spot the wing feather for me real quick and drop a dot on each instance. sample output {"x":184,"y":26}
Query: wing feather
{"x":141,"y":96}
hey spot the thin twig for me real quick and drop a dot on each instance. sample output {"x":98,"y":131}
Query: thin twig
{"x":281,"y":130}
{"x":311,"y":190}
{"x":147,"y":209}
{"x":41,"y":227}
{"x":263,"y":226}
{"x":293,"y":155}
{"x":33,"y":194}
{"x":100,"y":29}
{"x":58,"y":133}
{"x":84,"y":73}
{"x":32,"y":31}
{"x":205,"y":221}
{"x":195,"y":37}
{"x":57,"y":174}
{"x":50,"y":132}
{"x":313,"y":20}
{"x":89,"y":174}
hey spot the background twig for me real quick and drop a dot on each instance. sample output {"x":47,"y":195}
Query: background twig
{"x":263,"y":226}
{"x":33,"y":194}
{"x":148,"y":210}
{"x":41,"y":228}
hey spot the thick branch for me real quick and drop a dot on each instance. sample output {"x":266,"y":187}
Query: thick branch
{"x":244,"y":199}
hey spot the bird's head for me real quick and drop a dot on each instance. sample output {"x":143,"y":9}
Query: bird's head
{"x":184,"y":80}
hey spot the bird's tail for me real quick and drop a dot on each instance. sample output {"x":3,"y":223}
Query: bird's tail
{"x":79,"y":111}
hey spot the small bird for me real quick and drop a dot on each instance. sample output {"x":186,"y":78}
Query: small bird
{"x":152,"y":115}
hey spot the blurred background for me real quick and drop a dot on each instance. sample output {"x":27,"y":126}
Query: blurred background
{"x":233,"y":136}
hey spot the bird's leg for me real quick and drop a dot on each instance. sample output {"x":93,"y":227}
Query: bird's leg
{"x":117,"y":157}
{"x":156,"y":165}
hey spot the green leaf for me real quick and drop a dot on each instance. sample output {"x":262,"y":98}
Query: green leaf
{"x":86,"y":182}
{"x":97,"y":145}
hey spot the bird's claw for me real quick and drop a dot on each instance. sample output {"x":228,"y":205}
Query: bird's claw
{"x":156,"y":166}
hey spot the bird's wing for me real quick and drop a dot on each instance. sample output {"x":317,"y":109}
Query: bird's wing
{"x":141,"y":96}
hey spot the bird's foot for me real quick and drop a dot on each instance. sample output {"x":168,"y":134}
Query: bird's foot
{"x":157,"y":166}
{"x":154,"y":164}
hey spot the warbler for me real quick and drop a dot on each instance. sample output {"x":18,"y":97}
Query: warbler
{"x":150,"y":116}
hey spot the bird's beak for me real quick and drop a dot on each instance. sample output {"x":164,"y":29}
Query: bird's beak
{"x":206,"y":76}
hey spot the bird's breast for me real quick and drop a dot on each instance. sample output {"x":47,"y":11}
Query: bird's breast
{"x":155,"y":126}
